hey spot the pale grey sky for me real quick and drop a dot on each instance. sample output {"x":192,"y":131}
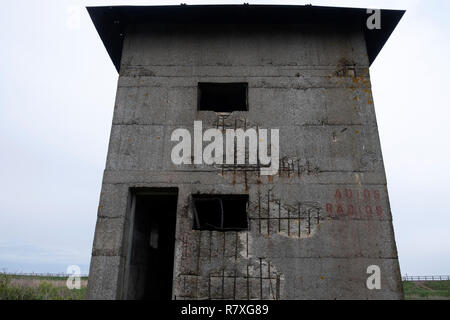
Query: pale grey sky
{"x":57,"y":90}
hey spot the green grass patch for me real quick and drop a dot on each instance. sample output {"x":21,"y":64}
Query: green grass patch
{"x":41,"y":277}
{"x":426,"y":289}
{"x":42,"y":290}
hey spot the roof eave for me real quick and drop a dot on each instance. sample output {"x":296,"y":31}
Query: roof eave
{"x":111,"y":21}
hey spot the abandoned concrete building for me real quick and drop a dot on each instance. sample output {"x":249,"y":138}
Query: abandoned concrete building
{"x":315,"y":227}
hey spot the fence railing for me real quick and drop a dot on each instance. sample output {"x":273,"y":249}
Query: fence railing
{"x":37,"y":274}
{"x":425,"y":278}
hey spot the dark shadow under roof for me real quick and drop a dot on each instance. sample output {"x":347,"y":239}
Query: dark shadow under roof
{"x":111,"y":21}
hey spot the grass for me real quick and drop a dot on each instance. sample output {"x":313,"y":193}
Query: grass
{"x":18,"y":287}
{"x":39,"y":277}
{"x":433,"y":290}
{"x":30,"y":287}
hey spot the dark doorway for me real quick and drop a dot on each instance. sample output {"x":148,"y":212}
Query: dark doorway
{"x":150,"y":265}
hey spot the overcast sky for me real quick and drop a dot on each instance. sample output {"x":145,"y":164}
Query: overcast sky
{"x":57,"y":91}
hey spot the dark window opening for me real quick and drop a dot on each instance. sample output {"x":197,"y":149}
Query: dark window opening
{"x":220,"y":212}
{"x":222,"y":97}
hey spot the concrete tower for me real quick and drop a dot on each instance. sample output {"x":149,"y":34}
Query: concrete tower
{"x":174,"y":223}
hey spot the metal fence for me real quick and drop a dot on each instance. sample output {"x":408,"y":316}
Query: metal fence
{"x":425,"y":278}
{"x":35,"y":274}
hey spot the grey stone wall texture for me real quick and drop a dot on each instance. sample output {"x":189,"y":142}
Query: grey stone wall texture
{"x":316,"y":226}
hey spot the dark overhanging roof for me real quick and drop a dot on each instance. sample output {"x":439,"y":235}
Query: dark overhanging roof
{"x":112,"y":21}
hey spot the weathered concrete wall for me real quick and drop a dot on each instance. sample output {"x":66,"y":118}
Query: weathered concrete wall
{"x":316,"y":226}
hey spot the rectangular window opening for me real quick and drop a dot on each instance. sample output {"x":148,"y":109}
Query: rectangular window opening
{"x":220,"y":212}
{"x":222,"y":97}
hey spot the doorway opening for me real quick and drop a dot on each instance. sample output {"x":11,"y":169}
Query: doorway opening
{"x":150,"y":259}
